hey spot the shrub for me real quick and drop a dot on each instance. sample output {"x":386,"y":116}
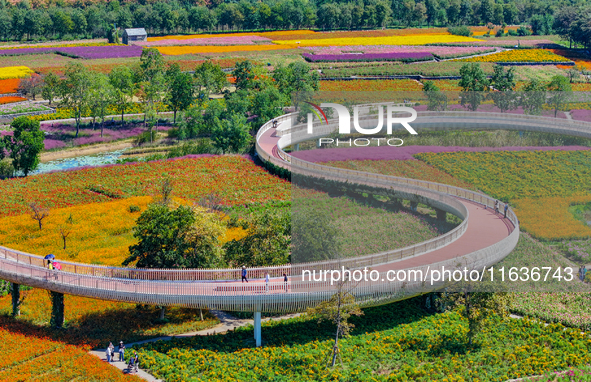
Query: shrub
{"x":133,"y":208}
{"x":500,"y":33}
{"x":512,"y":32}
{"x":523,"y":31}
{"x":460,"y":31}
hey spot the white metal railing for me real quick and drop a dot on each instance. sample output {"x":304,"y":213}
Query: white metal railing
{"x":219,"y":288}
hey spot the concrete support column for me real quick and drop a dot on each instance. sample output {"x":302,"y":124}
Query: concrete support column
{"x":441,"y":215}
{"x":57,"y":309}
{"x":296,"y":147}
{"x":16,"y":299}
{"x":413,"y":206}
{"x":257,"y":328}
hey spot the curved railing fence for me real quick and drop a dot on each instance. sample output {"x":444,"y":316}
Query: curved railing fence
{"x":218,"y":289}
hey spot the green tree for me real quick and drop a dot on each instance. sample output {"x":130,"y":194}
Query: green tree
{"x":50,"y":88}
{"x":180,"y":94}
{"x":267,"y":104}
{"x":244,"y":74}
{"x":121,"y":79}
{"x":503,"y":83}
{"x":338,"y":310}
{"x":209,"y":79}
{"x":101,"y":95}
{"x":152,"y":81}
{"x":474,"y":84}
{"x":266,"y":243}
{"x":74,"y":90}
{"x":180,"y":237}
{"x":232,"y":134}
{"x":437,"y":100}
{"x":25,"y":144}
{"x":560,"y":93}
{"x":533,"y":97}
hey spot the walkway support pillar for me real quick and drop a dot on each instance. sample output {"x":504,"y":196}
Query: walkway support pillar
{"x":57,"y":309}
{"x":16,"y":299}
{"x":414,"y":206}
{"x":257,"y":328}
{"x":441,"y":215}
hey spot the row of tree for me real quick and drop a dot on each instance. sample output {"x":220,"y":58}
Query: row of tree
{"x":501,"y":89}
{"x":98,"y":19}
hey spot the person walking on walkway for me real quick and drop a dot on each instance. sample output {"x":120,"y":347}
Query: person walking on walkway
{"x":112,"y":351}
{"x":121,"y":352}
{"x":496,"y":206}
{"x":267,"y":282}
{"x":108,"y":354}
{"x":285,"y":281}
{"x":506,"y":208}
{"x":136,"y":362}
{"x":584,"y":272}
{"x":244,"y":274}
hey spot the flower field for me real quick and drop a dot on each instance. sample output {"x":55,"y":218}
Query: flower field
{"x":95,"y":323}
{"x":190,"y":49}
{"x":403,"y":57}
{"x":86,"y":52}
{"x":399,"y":340}
{"x":273,"y":34}
{"x":227,"y":40}
{"x":541,"y":185}
{"x":447,"y":68}
{"x":100,"y":233}
{"x":9,"y":85}
{"x":25,"y":107}
{"x":236,"y":180}
{"x":371,"y":85}
{"x":549,"y":218}
{"x":14,"y":72}
{"x":417,"y":39}
{"x":519,"y":55}
{"x":437,"y":51}
{"x":25,"y":358}
{"x":13,"y":99}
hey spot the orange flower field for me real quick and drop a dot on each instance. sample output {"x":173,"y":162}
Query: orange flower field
{"x":24,"y":357}
{"x":5,"y":100}
{"x":100,"y":233}
{"x":9,"y":86}
{"x":371,"y":85}
{"x":550,"y":219}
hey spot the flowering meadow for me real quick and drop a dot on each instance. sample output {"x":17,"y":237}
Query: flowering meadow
{"x":519,"y":55}
{"x":371,"y":85}
{"x":9,"y":85}
{"x":402,"y":57}
{"x":273,"y":34}
{"x":86,"y":52}
{"x":14,"y":72}
{"x":98,"y":233}
{"x":437,"y":51}
{"x":12,"y":99}
{"x":226,"y":40}
{"x":417,"y":39}
{"x":95,"y":323}
{"x":26,"y":357}
{"x":235,"y":179}
{"x":540,"y":184}
{"x":196,"y":49}
{"x":395,"y":342}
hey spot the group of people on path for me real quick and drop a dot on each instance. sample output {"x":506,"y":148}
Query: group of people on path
{"x":267,"y":279}
{"x":505,"y":208}
{"x":133,"y":361}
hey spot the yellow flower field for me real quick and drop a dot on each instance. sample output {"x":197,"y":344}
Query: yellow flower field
{"x":179,"y":50}
{"x":261,"y":34}
{"x":550,"y":219}
{"x":417,"y":39}
{"x":519,"y":55}
{"x":100,"y":233}
{"x":14,"y":72}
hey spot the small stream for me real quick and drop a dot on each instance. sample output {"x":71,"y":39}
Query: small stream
{"x":81,"y":161}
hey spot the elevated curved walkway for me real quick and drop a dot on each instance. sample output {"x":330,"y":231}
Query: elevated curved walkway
{"x":482,"y":239}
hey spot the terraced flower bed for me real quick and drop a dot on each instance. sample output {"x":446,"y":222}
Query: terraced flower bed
{"x":86,"y":52}
{"x":437,"y":51}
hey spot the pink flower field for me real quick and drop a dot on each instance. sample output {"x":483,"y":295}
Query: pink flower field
{"x":228,"y":40}
{"x":406,"y":152}
{"x":438,"y":51}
